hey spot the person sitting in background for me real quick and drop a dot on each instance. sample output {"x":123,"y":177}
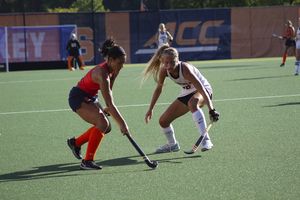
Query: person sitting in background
{"x":73,"y":47}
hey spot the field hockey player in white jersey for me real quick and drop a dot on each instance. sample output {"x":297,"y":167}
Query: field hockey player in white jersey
{"x":196,"y":92}
{"x":163,"y":36}
{"x":297,"y":38}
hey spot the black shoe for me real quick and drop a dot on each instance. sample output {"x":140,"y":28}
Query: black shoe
{"x":75,"y":149}
{"x":282,"y":65}
{"x":89,"y":165}
{"x":296,"y":74}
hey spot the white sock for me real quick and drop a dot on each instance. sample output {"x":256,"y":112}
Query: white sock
{"x":297,"y":66}
{"x":200,"y":122}
{"x":169,"y":133}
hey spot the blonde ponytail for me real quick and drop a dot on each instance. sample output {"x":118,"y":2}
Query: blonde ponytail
{"x":154,"y":65}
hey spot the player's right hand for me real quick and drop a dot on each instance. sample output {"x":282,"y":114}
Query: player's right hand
{"x":125,"y":130}
{"x":148,"y":116}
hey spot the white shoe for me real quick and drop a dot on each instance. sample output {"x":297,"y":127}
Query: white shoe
{"x":206,"y":145}
{"x":168,"y":148}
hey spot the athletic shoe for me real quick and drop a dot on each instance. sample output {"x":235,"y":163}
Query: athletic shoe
{"x":296,"y":74}
{"x":282,"y":65}
{"x":82,"y":68}
{"x":206,"y":145}
{"x":75,"y":149}
{"x":168,"y":148}
{"x":89,"y":165}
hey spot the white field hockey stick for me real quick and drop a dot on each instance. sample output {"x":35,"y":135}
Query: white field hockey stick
{"x":279,"y":37}
{"x":200,"y":139}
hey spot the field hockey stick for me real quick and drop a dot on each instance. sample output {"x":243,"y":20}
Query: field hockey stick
{"x":153,"y":164}
{"x":279,"y":37}
{"x":196,"y":146}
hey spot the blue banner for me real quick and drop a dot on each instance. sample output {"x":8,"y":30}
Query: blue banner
{"x":85,"y":33}
{"x":2,"y":46}
{"x":198,"y":34}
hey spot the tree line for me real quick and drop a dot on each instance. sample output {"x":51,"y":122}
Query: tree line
{"x":19,"y":6}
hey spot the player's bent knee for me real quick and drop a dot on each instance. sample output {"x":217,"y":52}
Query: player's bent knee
{"x":103,"y":125}
{"x":193,"y":105}
{"x":163,"y":123}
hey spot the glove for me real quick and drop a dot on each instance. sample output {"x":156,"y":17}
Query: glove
{"x":214,"y":114}
{"x":171,"y":40}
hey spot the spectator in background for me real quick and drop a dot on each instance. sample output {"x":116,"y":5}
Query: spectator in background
{"x":73,"y":47}
{"x":290,"y":42}
{"x":163,"y":36}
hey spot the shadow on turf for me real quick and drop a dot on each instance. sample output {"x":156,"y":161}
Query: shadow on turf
{"x":41,"y":172}
{"x":258,"y":78}
{"x":63,"y":170}
{"x":285,"y":104}
{"x":129,"y":161}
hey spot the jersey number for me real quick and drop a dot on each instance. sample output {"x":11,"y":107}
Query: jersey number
{"x":187,"y":87}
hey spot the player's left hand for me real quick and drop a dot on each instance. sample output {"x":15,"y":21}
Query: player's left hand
{"x":148,"y":116}
{"x":214,"y":115}
{"x":106,"y":110}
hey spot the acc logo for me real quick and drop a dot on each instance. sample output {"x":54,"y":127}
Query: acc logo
{"x":171,"y":26}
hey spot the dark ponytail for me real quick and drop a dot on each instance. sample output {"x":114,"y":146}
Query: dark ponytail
{"x":111,"y":49}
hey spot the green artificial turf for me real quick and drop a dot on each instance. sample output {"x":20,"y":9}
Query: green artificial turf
{"x":256,"y":141}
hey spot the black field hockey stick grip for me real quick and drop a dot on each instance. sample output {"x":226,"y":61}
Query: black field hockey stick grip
{"x":153,"y":164}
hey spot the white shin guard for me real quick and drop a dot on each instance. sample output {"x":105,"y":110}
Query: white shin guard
{"x":200,"y":122}
{"x":169,"y":133}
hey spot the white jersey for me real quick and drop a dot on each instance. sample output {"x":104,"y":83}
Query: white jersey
{"x":162,"y":38}
{"x":298,"y":38}
{"x":186,"y":86}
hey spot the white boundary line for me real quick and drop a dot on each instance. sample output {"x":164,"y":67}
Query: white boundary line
{"x":138,"y":105}
{"x":266,"y":97}
{"x":30,"y":81}
{"x":59,"y":79}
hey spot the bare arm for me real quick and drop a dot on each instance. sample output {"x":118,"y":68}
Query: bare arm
{"x":101,"y":77}
{"x":170,"y":36}
{"x":293,"y":34}
{"x":156,"y":94}
{"x":190,"y":75}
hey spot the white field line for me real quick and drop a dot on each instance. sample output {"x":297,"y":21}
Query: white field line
{"x":52,"y":80}
{"x":30,"y":81}
{"x":138,"y":105}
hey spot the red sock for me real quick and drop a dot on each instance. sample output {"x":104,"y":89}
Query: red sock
{"x":94,"y":142}
{"x":284,"y":58}
{"x":84,"y":137}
